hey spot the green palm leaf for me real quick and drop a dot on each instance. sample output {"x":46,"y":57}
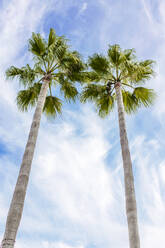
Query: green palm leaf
{"x":99,"y":63}
{"x":59,"y":48}
{"x":53,"y":105}
{"x":91,"y":92}
{"x":137,"y":72}
{"x":129,"y":54}
{"x":115,"y":55}
{"x":37,"y":45}
{"x":70,"y":92}
{"x":93,"y":76}
{"x":130,"y":102}
{"x":26,"y":75}
{"x":28,"y":98}
{"x":105,"y":105}
{"x":52,"y":37}
{"x":144,"y":96}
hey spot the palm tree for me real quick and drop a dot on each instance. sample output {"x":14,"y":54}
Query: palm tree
{"x":54,"y":65}
{"x":119,"y":77}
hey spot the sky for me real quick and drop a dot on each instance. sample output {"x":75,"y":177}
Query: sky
{"x":75,"y":196}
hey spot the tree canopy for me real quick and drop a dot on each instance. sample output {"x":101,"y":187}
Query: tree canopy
{"x":119,"y":66}
{"x":53,"y":61}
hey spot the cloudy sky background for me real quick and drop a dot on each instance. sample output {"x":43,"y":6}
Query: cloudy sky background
{"x":75,"y":197}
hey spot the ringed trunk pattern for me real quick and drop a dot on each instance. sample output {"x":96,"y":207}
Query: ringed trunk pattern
{"x":17,"y":203}
{"x":131,"y":209}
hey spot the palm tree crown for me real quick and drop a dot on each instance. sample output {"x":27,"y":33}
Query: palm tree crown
{"x":53,"y":61}
{"x":120,"y":66}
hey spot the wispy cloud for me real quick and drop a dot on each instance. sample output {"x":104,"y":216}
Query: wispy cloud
{"x":147,"y":11}
{"x":83,"y":7}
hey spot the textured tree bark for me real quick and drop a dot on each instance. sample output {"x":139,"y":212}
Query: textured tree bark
{"x":17,"y":203}
{"x":131,"y":209}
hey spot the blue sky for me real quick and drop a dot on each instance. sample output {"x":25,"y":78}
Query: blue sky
{"x":75,"y":197}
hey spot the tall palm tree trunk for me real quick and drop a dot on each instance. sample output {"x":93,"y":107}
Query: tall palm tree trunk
{"x":131,"y":210}
{"x":17,"y":203}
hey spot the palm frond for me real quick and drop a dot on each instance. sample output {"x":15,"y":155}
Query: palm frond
{"x":129,"y":54}
{"x":73,"y":62}
{"x":28,"y":98}
{"x":13,"y":72}
{"x":86,"y":77}
{"x":137,"y":72}
{"x":91,"y":92}
{"x":144,"y":96}
{"x":37,"y":45}
{"x":130,"y":102}
{"x":115,"y":55}
{"x":80,"y":76}
{"x":52,"y":37}
{"x":72,"y":66}
{"x":147,"y":62}
{"x":69,"y":90}
{"x":99,"y":63}
{"x":26,"y":75}
{"x":38,"y":69}
{"x":105,"y":105}
{"x":52,"y":106}
{"x":59,"y":48}
{"x":92,"y":76}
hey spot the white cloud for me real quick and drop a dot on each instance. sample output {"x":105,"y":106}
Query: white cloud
{"x":77,"y":179}
{"x":147,"y":11}
{"x":149,"y":190}
{"x":59,"y":245}
{"x":46,"y":244}
{"x":83,"y":7}
{"x":18,"y":20}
